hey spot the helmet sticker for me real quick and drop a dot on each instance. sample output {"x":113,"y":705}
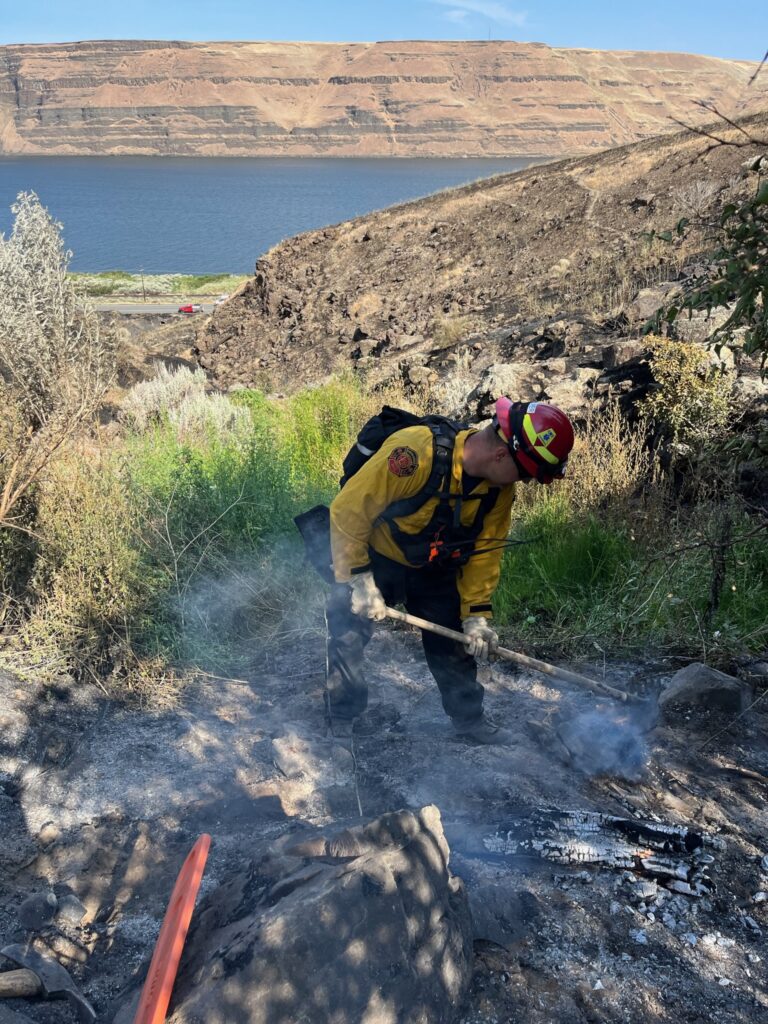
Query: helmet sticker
{"x":403,"y":461}
{"x":532,"y":407}
{"x":546,"y":437}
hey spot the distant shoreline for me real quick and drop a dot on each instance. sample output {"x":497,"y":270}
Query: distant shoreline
{"x":135,"y":287}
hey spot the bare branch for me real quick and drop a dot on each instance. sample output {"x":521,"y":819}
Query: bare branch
{"x":758,"y":69}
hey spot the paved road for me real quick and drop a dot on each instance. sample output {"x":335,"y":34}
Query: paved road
{"x":146,"y":307}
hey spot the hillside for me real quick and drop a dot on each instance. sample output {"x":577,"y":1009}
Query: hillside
{"x":410,"y":98}
{"x":549,"y":262}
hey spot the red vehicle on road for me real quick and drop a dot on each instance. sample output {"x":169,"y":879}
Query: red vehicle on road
{"x":191,"y":308}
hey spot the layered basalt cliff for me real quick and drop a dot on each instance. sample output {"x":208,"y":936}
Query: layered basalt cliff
{"x":351,"y":99}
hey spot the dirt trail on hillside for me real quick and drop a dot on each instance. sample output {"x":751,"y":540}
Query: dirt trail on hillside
{"x":104,"y":802}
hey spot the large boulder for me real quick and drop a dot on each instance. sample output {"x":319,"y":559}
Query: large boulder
{"x":620,"y":352}
{"x":520,"y":381}
{"x":649,"y":300}
{"x":366,"y":927}
{"x":571,"y":391}
{"x":699,"y":686}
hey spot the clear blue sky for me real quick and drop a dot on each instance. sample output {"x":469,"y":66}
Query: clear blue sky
{"x":723,"y":28}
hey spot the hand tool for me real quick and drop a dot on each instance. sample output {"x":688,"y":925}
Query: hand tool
{"x":508,"y":655}
{"x":53,"y":980}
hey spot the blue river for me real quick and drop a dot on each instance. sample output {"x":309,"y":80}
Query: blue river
{"x":209,"y":215}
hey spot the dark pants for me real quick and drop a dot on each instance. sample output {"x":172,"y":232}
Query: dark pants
{"x":430,"y":593}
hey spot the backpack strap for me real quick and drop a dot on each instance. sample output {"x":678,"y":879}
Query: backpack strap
{"x":439,"y":481}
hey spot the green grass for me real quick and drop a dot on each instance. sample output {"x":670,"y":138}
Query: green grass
{"x":208,"y":284}
{"x":181,"y":548}
{"x":221,"y":509}
{"x":122,"y":283}
{"x":585,"y":582}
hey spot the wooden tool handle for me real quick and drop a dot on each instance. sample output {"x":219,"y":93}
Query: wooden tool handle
{"x":507,"y":655}
{"x":19,"y":984}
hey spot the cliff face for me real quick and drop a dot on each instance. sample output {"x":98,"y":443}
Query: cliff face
{"x":356,"y":99}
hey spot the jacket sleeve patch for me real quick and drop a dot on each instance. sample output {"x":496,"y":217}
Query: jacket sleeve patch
{"x":403,"y":461}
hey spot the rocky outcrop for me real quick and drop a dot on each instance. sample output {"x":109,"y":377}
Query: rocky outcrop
{"x":537,"y":283}
{"x":408,"y":98}
{"x":367,"y":925}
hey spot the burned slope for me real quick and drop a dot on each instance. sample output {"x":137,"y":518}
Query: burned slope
{"x":410,"y":285}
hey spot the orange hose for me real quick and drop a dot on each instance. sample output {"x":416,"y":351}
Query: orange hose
{"x":156,"y":994}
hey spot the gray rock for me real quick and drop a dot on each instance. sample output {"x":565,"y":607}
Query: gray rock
{"x":557,"y":329}
{"x":421,"y":376}
{"x":758,"y":164}
{"x":555,"y":367}
{"x":369,"y":347}
{"x":648,"y":300}
{"x":497,"y":380}
{"x":366,"y":926}
{"x":70,"y":910}
{"x":699,"y":686}
{"x":38,"y":911}
{"x":645,"y":890}
{"x":570,"y":391}
{"x":622,"y":351}
{"x":753,"y":391}
{"x":698,"y":326}
{"x":366,"y":363}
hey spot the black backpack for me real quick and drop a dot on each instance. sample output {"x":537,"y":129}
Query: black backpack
{"x":379,"y":428}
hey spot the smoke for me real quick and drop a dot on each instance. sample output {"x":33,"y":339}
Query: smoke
{"x":243,"y":606}
{"x":609,"y":740}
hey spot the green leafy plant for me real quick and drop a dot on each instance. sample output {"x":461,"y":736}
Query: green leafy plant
{"x":738,"y":278}
{"x":692,"y":399}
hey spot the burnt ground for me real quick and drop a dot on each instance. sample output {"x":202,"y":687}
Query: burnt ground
{"x":103,"y":802}
{"x":459,"y":273}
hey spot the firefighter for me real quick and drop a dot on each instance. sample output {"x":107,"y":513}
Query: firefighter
{"x":440,"y":557}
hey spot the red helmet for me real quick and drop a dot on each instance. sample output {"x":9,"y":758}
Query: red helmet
{"x":539,"y":436}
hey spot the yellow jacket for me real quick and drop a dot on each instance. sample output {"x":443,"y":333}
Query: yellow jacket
{"x":399,"y":469}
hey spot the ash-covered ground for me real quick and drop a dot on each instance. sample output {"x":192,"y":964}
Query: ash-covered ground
{"x":103,"y":802}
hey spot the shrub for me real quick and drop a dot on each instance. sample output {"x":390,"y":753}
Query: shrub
{"x":609,"y":466}
{"x":56,"y":362}
{"x":695,"y":198}
{"x":180,"y":397}
{"x":617,"y":564}
{"x":88,"y":582}
{"x":450,"y":331}
{"x":737,"y":279}
{"x":150,"y":401}
{"x":692,"y":401}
